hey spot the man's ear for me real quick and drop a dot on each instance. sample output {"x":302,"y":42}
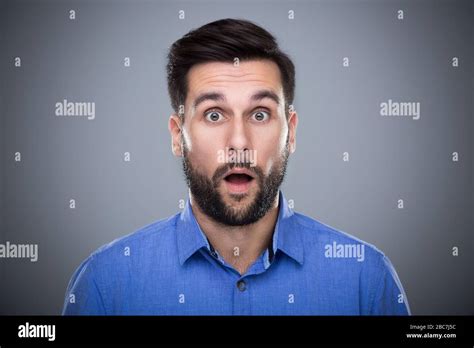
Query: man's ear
{"x":175,"y":129}
{"x":292,"y":125}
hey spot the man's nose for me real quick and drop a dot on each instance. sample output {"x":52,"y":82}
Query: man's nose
{"x":238,"y":137}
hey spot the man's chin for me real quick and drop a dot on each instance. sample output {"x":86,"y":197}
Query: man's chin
{"x":237,"y":214}
{"x":238,"y":199}
{"x":238,"y":202}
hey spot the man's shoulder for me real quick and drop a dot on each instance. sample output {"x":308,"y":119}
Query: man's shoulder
{"x":148,"y":237}
{"x":317,"y":233}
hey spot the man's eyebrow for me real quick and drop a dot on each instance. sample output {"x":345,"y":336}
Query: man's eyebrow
{"x":266,"y":94}
{"x":215,"y":96}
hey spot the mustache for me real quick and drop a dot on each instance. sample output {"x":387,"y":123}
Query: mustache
{"x":223,"y":169}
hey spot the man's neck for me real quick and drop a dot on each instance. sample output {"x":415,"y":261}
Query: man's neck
{"x":240,"y":246}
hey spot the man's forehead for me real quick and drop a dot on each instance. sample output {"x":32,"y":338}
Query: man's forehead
{"x":236,"y":69}
{"x":254,"y":75}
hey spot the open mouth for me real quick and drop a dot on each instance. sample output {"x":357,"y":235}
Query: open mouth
{"x":238,"y":178}
{"x":238,"y":182}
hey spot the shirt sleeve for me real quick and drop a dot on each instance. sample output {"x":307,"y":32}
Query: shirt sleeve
{"x":389,"y":297}
{"x":83,"y":296}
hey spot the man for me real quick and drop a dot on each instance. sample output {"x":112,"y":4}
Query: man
{"x":237,"y":247}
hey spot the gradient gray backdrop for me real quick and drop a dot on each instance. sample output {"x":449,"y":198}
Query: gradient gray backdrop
{"x":390,"y":158}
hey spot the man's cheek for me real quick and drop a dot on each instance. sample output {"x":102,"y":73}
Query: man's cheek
{"x":204,"y":160}
{"x":266,"y":160}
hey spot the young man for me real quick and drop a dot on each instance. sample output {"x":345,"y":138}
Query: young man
{"x":237,"y":247}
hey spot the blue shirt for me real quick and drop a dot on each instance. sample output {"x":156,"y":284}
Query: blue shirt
{"x":169,"y":268}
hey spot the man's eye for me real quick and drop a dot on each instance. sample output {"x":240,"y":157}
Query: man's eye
{"x":213,"y":116}
{"x":261,"y":116}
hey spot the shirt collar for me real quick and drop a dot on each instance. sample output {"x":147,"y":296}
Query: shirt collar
{"x":286,"y":236}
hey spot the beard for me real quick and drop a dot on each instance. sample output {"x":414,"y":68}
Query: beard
{"x":205,"y":191}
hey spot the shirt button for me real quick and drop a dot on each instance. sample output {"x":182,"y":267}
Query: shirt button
{"x":241,"y":285}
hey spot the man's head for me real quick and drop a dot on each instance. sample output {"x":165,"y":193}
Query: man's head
{"x":231,"y":89}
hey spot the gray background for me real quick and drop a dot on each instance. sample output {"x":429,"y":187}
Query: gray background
{"x":390,"y":158}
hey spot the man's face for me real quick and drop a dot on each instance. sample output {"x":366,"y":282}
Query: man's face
{"x":235,"y":139}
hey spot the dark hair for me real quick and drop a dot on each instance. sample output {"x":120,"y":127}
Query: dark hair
{"x":222,"y":41}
